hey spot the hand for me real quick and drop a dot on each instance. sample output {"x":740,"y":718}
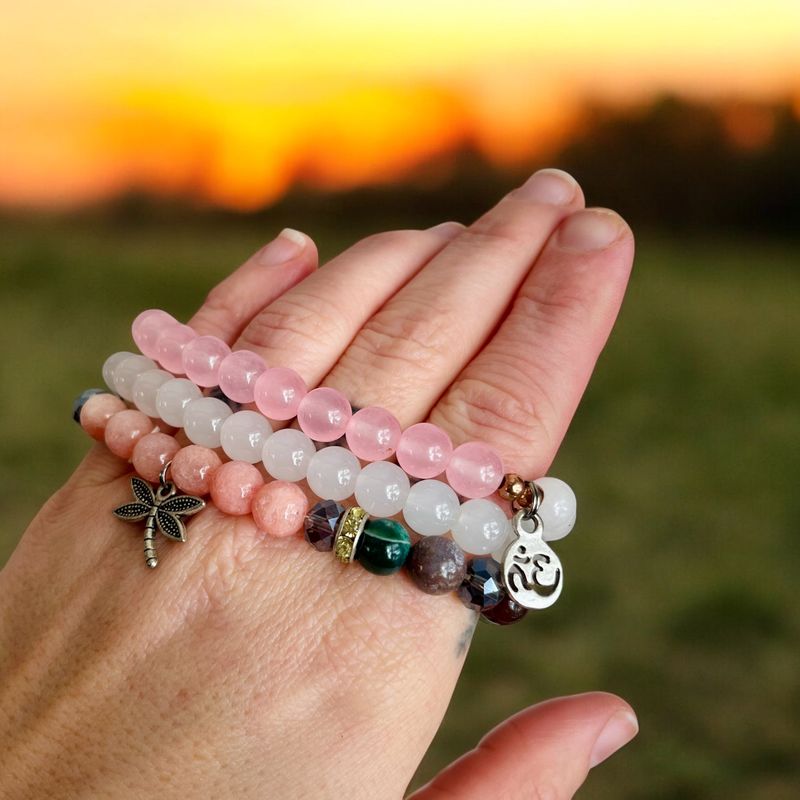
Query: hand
{"x":251,"y":667}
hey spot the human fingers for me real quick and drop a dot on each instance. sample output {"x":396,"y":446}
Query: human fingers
{"x":260,"y":280}
{"x":309,"y":326}
{"x":521,"y":391}
{"x":407,"y":354}
{"x":546,"y":750}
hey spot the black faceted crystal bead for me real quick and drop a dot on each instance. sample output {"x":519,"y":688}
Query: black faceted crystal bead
{"x":220,"y":395}
{"x":78,"y":402}
{"x":506,"y":612}
{"x":483,"y":587}
{"x":320,"y":524}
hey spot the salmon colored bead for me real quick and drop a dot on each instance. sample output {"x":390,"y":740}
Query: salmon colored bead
{"x":233,"y":486}
{"x":279,"y":508}
{"x":97,"y":411}
{"x":151,"y":453}
{"x":124,"y":430}
{"x":192,"y":468}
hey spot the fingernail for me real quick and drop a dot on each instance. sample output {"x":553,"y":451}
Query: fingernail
{"x":447,"y":230}
{"x":591,"y":229}
{"x":618,"y":731}
{"x":550,"y":186}
{"x":286,"y":245}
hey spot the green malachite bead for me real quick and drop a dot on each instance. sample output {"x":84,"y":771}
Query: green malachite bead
{"x":383,"y":547}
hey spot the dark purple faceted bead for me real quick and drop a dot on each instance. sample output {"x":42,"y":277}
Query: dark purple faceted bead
{"x":437,"y":565}
{"x":78,"y":402}
{"x":483,"y":586}
{"x":506,"y":612}
{"x":320,"y":524}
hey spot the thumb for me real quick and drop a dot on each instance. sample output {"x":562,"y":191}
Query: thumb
{"x":544,"y":751}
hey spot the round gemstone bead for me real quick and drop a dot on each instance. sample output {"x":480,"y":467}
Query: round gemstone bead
{"x":126,"y":373}
{"x":202,"y":358}
{"x":233,"y":485}
{"x":321,"y":522}
{"x":286,"y":454}
{"x":202,"y":420}
{"x":373,"y":433}
{"x":437,"y":565}
{"x":145,"y":388}
{"x":506,"y":612}
{"x":147,"y":327}
{"x":424,"y":450}
{"x":323,"y":414}
{"x":279,"y":508}
{"x":475,"y":470}
{"x":80,"y":401}
{"x":238,"y":374}
{"x":278,"y":392}
{"x":192,"y":468}
{"x":243,"y":436}
{"x":332,"y":473}
{"x":383,"y":547}
{"x":110,"y":365}
{"x":431,"y":508}
{"x":169,"y":347}
{"x":152,"y":452}
{"x":97,"y":411}
{"x":172,"y":398}
{"x":558,"y":510}
{"x":482,"y":588}
{"x":481,"y":526}
{"x":124,"y":429}
{"x":382,"y":489}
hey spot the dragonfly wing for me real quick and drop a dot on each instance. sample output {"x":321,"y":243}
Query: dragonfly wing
{"x":170,"y":525}
{"x":142,"y":491}
{"x":132,"y":511}
{"x":183,"y":505}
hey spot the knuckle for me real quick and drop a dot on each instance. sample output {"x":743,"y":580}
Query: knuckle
{"x":497,"y":231}
{"x":219,"y":310}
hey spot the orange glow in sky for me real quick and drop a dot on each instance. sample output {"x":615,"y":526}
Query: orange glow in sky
{"x":234,"y":100}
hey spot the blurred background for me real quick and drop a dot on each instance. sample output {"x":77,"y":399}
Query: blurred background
{"x":146,"y":148}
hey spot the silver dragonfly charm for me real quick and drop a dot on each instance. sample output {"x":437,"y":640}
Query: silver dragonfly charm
{"x":162,"y":508}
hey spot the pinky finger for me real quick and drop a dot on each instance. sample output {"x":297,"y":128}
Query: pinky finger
{"x":264,"y":277}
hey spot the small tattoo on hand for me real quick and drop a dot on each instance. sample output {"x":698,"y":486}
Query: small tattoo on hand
{"x":466,"y":637}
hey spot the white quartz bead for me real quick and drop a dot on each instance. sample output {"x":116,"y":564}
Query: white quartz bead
{"x":243,"y":435}
{"x":111,"y":363}
{"x":500,"y":549}
{"x":286,"y":454}
{"x":558,"y":510}
{"x":431,"y":508}
{"x":145,"y":389}
{"x":481,"y":526}
{"x":332,"y":473}
{"x":172,"y":398}
{"x":127,"y":371}
{"x":202,"y":420}
{"x":382,"y":489}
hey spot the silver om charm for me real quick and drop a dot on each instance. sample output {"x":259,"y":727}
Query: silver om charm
{"x":532,"y":572}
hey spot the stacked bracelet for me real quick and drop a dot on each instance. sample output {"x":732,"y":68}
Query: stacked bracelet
{"x":200,"y":387}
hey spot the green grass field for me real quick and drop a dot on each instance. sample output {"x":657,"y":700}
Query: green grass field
{"x":682,"y":572}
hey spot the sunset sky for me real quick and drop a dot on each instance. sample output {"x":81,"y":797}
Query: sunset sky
{"x":234,"y":100}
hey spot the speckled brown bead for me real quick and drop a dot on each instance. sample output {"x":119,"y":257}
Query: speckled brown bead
{"x":506,"y":612}
{"x":437,"y":565}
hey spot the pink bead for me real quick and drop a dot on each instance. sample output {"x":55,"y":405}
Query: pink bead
{"x":97,"y":411}
{"x":323,"y":414}
{"x":475,"y":470}
{"x":279,"y":508}
{"x":151,"y":452}
{"x":124,"y":429}
{"x":238,"y":374}
{"x":424,"y":450}
{"x":373,"y":433}
{"x":201,"y":359}
{"x":278,"y":392}
{"x":233,"y":486}
{"x":192,"y":468}
{"x":169,"y":347}
{"x":148,"y":326}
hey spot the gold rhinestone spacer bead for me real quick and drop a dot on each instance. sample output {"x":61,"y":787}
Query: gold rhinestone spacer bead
{"x":517,"y":490}
{"x":348,"y":533}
